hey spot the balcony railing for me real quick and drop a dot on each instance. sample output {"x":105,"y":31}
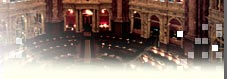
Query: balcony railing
{"x":21,"y":4}
{"x":13,"y":8}
{"x":85,"y":1}
{"x":158,"y":4}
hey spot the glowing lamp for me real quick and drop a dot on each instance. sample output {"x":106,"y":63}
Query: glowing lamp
{"x":103,"y":44}
{"x":134,"y":12}
{"x":103,"y":11}
{"x":105,"y":25}
{"x":177,"y":61}
{"x":66,"y":26}
{"x":155,"y":51}
{"x":162,"y":54}
{"x":155,"y":48}
{"x":170,"y":58}
{"x":70,"y":11}
{"x":101,"y":26}
{"x":145,"y":58}
{"x":88,"y":12}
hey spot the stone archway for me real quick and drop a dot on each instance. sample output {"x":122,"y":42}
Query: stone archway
{"x":174,"y":26}
{"x":137,"y":25}
{"x":87,"y":20}
{"x":154,"y":30}
{"x":154,"y":26}
{"x":21,"y":26}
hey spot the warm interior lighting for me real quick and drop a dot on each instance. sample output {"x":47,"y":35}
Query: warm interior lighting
{"x":162,"y":54}
{"x":155,"y":51}
{"x":103,"y":11}
{"x":170,"y":58}
{"x":145,"y":58}
{"x":134,"y":12}
{"x":88,"y":12}
{"x":177,"y":61}
{"x":153,"y":63}
{"x":70,"y":11}
{"x":104,"y":25}
{"x":66,"y":26}
{"x":155,"y":48}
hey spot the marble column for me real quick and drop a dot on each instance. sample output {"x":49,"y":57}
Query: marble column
{"x":98,"y":20}
{"x":93,"y":20}
{"x":211,"y":4}
{"x":161,"y":31}
{"x":110,"y":15}
{"x":28,"y":35}
{"x":211,"y":53}
{"x":149,"y":27}
{"x":55,"y":10}
{"x":219,"y":5}
{"x":77,"y":20}
{"x":142,"y":26}
{"x":26,"y":26}
{"x":43,"y":23}
{"x":192,"y":19}
{"x":132,"y":22}
{"x":165,"y":30}
{"x":8,"y":31}
{"x":81,"y":20}
{"x":119,"y":9}
{"x":64,"y":14}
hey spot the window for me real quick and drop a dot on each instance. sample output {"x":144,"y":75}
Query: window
{"x":162,"y":0}
{"x":179,"y":0}
{"x":171,"y":1}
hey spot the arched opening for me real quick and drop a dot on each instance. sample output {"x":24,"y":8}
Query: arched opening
{"x":2,"y":25}
{"x":155,"y":29}
{"x":38,"y":18}
{"x":174,"y":26}
{"x":3,"y":32}
{"x":20,"y":28}
{"x":137,"y":23}
{"x":38,"y":29}
{"x":70,"y":20}
{"x":104,"y":20}
{"x":155,"y":26}
{"x":87,"y":20}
